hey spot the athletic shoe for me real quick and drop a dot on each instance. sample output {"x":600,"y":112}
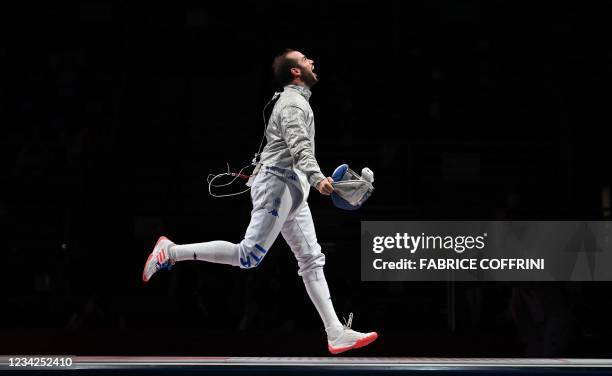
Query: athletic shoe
{"x":158,"y":259}
{"x":350,"y":339}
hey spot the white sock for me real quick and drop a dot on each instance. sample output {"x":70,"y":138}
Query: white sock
{"x":317,"y":289}
{"x":218,"y":251}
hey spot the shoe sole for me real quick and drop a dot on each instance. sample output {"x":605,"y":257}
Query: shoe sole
{"x":144,"y":278}
{"x":360,"y":343}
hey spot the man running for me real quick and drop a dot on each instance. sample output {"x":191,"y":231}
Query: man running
{"x":279,"y":193}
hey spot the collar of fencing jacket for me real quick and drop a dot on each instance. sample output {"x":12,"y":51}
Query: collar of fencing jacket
{"x":303,"y":90}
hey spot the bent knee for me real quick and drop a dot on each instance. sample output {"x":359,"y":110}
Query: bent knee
{"x":310,"y":262}
{"x":251,"y":256}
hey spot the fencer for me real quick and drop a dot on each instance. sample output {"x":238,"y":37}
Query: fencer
{"x":279,"y":193}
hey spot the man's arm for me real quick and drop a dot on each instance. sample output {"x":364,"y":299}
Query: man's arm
{"x":293,"y":129}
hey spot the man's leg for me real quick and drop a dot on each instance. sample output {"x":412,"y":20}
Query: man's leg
{"x":217,"y":251}
{"x":272,"y":202}
{"x":271,"y":205}
{"x":300,"y":234}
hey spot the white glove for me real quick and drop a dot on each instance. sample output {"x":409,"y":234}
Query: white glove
{"x":367,"y":175}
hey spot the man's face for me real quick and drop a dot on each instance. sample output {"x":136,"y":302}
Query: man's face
{"x":306,"y":68}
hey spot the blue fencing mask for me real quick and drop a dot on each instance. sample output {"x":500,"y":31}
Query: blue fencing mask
{"x":350,"y":189}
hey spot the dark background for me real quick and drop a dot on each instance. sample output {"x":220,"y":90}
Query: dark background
{"x":113,"y":115}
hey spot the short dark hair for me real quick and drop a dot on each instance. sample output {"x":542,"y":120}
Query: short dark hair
{"x":281,"y":67}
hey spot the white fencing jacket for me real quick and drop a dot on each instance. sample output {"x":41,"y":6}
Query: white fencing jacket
{"x":290,"y":137}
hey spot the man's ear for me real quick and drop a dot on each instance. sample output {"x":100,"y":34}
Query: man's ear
{"x":295,"y":72}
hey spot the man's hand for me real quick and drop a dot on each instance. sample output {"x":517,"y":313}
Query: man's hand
{"x":325,"y":187}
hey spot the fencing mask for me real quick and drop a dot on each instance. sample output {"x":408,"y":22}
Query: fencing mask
{"x":350,"y":189}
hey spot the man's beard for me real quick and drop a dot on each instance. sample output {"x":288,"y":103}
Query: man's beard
{"x":308,"y":78}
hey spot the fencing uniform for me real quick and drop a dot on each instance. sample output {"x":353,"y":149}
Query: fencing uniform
{"x":281,"y":187}
{"x":279,"y":192}
{"x":290,"y":137}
